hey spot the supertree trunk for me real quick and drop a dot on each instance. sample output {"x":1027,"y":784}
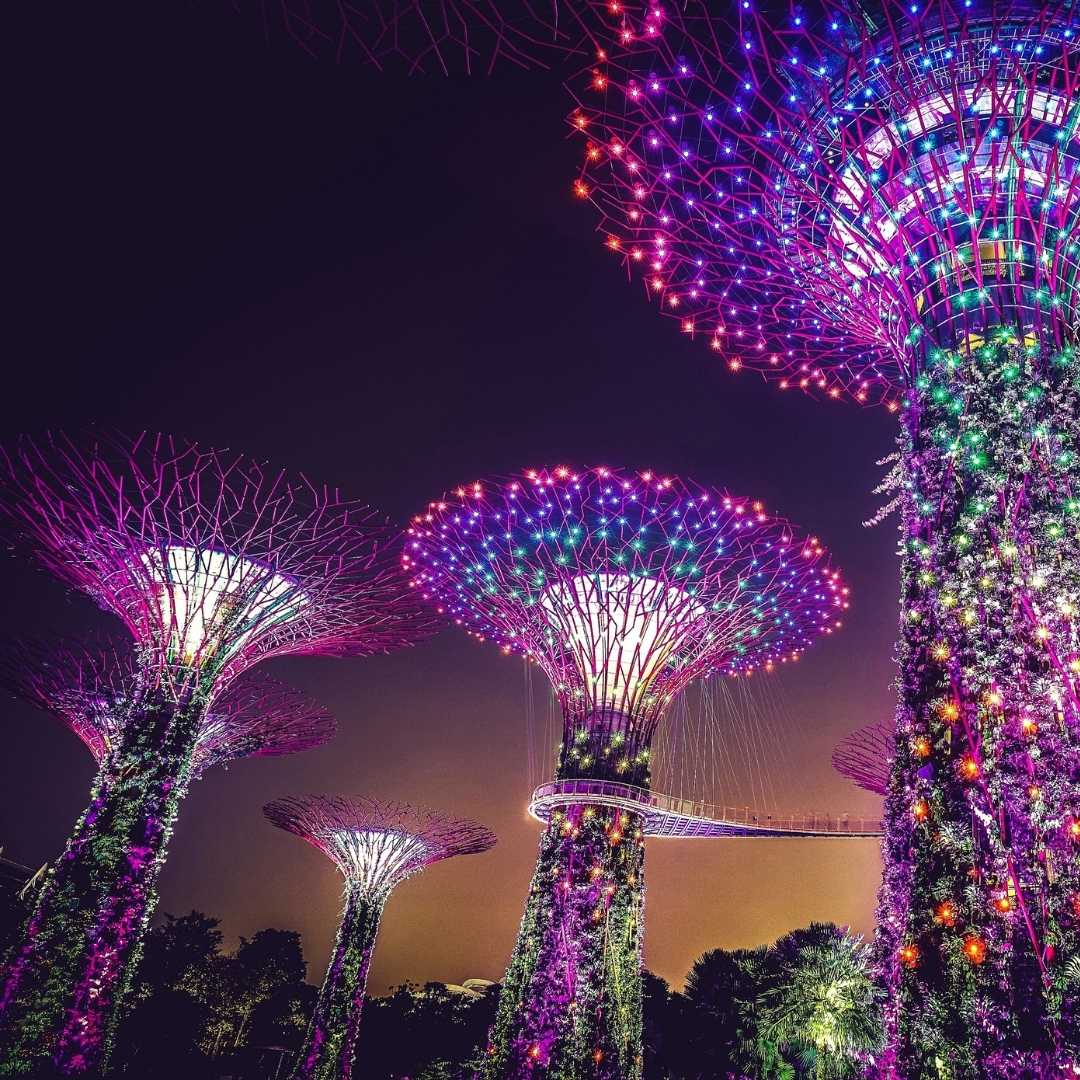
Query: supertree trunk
{"x":982,"y":892}
{"x":330,"y":1046}
{"x":571,"y":1001}
{"x":64,"y":984}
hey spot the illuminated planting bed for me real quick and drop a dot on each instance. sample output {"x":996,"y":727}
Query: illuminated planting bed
{"x":623,"y":588}
{"x":879,"y":200}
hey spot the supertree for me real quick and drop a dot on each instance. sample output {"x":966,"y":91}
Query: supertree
{"x":444,"y":37}
{"x":879,"y":199}
{"x":213,"y":563}
{"x":92,"y":685}
{"x":376,"y":845}
{"x":622,"y":587}
{"x":865,"y":756}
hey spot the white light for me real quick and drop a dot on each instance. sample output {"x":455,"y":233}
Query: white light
{"x":211,"y":603}
{"x":621,"y":630}
{"x":378,"y":859}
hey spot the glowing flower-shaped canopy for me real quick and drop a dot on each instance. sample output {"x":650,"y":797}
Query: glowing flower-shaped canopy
{"x":96,"y":688}
{"x":623,"y":586}
{"x":377,"y":844}
{"x":212,"y":561}
{"x":865,"y":757}
{"x":831,"y":192}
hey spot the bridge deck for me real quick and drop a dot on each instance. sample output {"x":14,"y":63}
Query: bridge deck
{"x":666,"y":815}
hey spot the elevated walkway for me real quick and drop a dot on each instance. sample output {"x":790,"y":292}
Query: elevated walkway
{"x":666,"y":815}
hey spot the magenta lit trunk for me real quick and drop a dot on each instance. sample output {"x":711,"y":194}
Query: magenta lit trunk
{"x":64,"y":984}
{"x":329,"y":1048}
{"x":571,"y":1000}
{"x":980,"y":906}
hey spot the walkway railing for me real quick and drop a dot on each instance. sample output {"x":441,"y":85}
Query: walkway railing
{"x":666,"y":815}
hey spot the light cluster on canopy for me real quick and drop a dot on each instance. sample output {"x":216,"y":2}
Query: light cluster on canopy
{"x":96,"y":689}
{"x":212,"y":561}
{"x":830,"y":192}
{"x":444,"y":37}
{"x":865,"y":756}
{"x":623,"y":586}
{"x":377,"y":844}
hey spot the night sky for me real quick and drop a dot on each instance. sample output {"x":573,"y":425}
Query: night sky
{"x":388,"y":285}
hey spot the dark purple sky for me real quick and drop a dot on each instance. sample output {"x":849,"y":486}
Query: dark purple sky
{"x":388,"y":285}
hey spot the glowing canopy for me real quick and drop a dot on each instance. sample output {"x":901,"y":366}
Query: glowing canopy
{"x":831,"y":194}
{"x":623,"y":586}
{"x":376,"y":844}
{"x":212,"y":603}
{"x":620,"y":630}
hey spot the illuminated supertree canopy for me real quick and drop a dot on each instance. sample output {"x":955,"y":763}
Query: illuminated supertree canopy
{"x":375,"y":845}
{"x":439,"y":37}
{"x":93,"y":687}
{"x":831,"y":193}
{"x":213,"y":563}
{"x":877,"y":199}
{"x":865,"y":756}
{"x":622,"y":587}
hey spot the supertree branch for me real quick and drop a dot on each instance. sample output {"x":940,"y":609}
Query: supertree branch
{"x":853,"y":184}
{"x":93,"y":687}
{"x":437,"y":37}
{"x":375,"y":845}
{"x":880,"y":199}
{"x":212,"y":561}
{"x":214,"y":564}
{"x":865,"y":756}
{"x":622,"y":587}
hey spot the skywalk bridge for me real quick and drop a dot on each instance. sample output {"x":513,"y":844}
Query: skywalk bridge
{"x":666,"y":815}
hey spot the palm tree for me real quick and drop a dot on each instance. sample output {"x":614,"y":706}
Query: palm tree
{"x":823,"y":1009}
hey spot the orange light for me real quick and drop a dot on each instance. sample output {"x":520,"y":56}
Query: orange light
{"x":921,"y":747}
{"x":949,"y":711}
{"x":581,"y":189}
{"x":920,"y":810}
{"x":1029,"y":726}
{"x":1003,"y":904}
{"x":969,"y":767}
{"x":909,"y":955}
{"x":975,"y":949}
{"x":945,"y":913}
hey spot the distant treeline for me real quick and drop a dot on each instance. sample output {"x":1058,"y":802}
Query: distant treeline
{"x":802,"y":1007}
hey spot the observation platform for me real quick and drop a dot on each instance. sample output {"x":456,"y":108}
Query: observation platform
{"x":666,"y":815}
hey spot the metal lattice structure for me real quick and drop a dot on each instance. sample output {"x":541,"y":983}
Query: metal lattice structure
{"x":93,"y":688}
{"x":881,"y":200}
{"x":865,"y":757}
{"x":376,"y":845}
{"x":622,"y":587}
{"x":212,"y":561}
{"x":829,"y":193}
{"x":437,"y":37}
